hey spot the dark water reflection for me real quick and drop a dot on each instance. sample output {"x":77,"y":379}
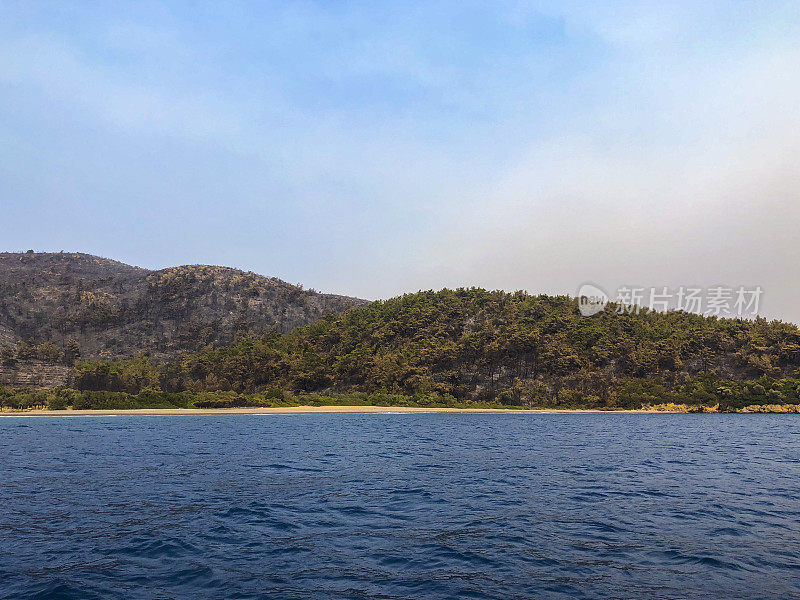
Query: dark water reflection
{"x":401,"y":506}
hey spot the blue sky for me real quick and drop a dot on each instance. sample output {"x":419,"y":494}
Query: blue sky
{"x":378,"y":147}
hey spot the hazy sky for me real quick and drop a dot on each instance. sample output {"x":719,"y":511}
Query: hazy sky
{"x":378,"y":147}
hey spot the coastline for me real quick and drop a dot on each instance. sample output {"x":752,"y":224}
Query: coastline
{"x":309,"y":410}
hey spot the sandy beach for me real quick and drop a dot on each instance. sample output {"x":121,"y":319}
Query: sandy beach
{"x":296,"y":410}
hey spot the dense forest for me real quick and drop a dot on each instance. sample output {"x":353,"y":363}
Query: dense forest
{"x":473,"y":345}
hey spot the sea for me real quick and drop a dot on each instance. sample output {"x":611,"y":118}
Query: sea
{"x":382,"y":506}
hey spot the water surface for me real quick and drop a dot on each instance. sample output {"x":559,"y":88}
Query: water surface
{"x":400,"y":506}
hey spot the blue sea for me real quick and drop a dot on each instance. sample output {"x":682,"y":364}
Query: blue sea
{"x":384,"y":506}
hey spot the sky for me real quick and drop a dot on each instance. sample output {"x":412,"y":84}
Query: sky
{"x":375,"y":148}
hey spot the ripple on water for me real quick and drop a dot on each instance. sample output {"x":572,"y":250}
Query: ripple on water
{"x":412,"y":506}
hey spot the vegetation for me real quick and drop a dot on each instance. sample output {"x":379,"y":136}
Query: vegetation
{"x":63,"y":398}
{"x":704,"y":396}
{"x":473,"y":345}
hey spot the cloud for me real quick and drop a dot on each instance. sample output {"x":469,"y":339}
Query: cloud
{"x":45,"y":63}
{"x":689,"y":177}
{"x":375,"y":149}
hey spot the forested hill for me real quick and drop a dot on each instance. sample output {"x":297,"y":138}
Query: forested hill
{"x":515,"y":348}
{"x":56,"y":307}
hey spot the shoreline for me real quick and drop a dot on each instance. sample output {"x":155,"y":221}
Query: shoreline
{"x":311,"y":410}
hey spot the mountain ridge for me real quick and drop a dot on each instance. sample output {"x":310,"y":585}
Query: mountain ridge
{"x":98,"y":308}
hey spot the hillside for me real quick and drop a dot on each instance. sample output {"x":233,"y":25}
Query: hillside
{"x":476,"y":345}
{"x":55,"y":307}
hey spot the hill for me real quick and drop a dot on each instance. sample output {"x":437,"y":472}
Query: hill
{"x":477,"y":345}
{"x":56,"y":307}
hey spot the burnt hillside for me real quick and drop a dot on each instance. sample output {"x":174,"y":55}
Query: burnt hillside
{"x":56,"y":306}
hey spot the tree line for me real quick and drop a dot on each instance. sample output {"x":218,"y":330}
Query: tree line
{"x":473,"y":345}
